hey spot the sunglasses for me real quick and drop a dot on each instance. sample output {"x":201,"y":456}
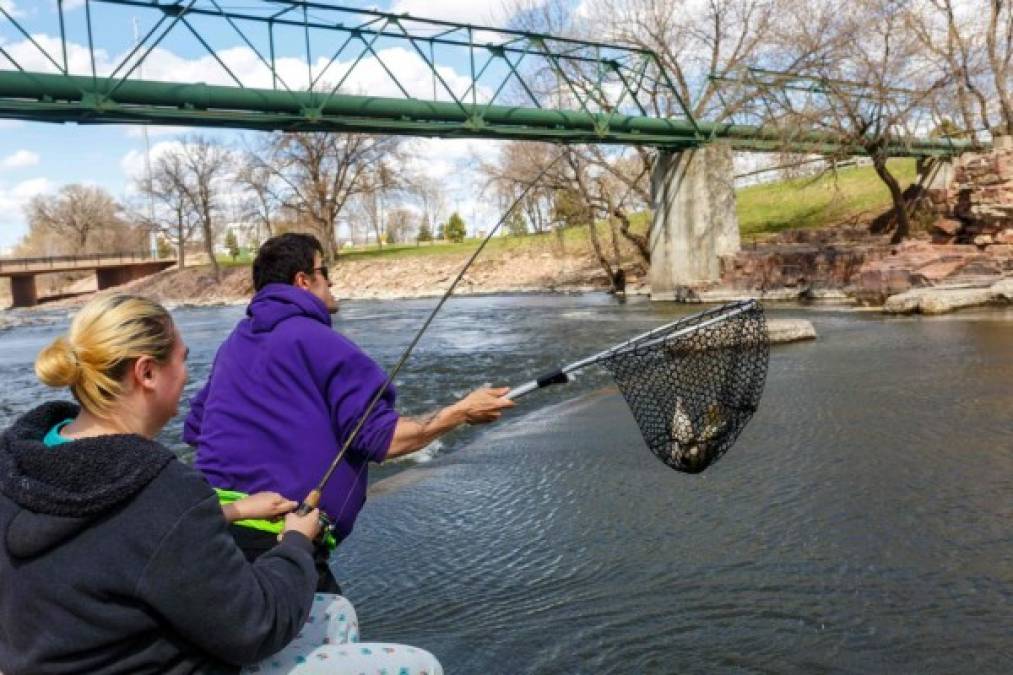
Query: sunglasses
{"x":323,"y":271}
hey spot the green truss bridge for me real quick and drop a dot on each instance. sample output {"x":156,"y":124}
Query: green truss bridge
{"x":294,"y":65}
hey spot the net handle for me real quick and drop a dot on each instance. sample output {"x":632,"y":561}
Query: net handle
{"x":561,"y":375}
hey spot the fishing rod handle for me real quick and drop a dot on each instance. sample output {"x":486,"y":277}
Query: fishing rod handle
{"x":311,"y":502}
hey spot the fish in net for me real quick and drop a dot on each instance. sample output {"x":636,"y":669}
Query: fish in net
{"x":692,"y":385}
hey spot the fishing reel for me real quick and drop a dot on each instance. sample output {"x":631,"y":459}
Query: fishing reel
{"x":311,"y":502}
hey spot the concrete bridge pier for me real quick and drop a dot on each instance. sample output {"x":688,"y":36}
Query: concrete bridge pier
{"x":695,"y":223}
{"x":23,"y":293}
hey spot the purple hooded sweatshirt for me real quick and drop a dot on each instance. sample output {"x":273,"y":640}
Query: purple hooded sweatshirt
{"x":285,"y":392}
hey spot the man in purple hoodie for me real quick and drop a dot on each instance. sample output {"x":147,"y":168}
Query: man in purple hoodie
{"x":286,"y":391}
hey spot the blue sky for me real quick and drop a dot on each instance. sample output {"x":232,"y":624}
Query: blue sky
{"x":39,"y":158}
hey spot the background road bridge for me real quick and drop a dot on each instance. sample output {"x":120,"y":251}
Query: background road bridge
{"x":111,"y":269}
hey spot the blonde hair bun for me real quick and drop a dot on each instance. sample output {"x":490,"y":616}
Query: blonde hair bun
{"x":106,"y":336}
{"x":57,"y":365}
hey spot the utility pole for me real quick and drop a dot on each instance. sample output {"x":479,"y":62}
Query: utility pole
{"x":152,"y":239}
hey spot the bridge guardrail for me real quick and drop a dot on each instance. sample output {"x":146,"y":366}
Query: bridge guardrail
{"x":13,"y":264}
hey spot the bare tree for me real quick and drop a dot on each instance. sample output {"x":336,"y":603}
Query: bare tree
{"x":261,"y":203}
{"x":315,"y":174}
{"x":366,"y":210}
{"x":510,"y":174}
{"x":173,"y":215}
{"x":999,"y":45}
{"x":400,"y":225}
{"x":205,"y":164}
{"x":79,"y":214}
{"x":582,"y":193}
{"x":431,"y":194}
{"x":872,"y":92}
{"x":955,"y":39}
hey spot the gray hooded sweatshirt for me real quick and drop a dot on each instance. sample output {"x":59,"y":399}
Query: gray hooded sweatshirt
{"x":116,"y":558}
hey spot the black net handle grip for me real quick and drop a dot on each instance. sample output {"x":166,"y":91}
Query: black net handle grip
{"x":556,"y":376}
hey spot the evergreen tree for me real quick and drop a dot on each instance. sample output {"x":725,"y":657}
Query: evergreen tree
{"x":517,"y":226}
{"x":232,"y":244}
{"x":164,"y":248}
{"x":425,"y":231}
{"x":456,"y":229}
{"x":441,"y":231}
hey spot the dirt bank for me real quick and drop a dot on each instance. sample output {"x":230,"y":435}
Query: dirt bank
{"x":401,"y":276}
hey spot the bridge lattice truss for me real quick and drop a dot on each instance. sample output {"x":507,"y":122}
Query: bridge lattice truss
{"x":295,"y":65}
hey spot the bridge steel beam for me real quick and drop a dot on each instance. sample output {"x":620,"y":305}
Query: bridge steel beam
{"x":83,"y":99}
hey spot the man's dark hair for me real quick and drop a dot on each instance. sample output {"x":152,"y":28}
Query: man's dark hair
{"x":281,"y":257}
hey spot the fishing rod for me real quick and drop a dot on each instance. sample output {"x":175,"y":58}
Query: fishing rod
{"x":312,"y":500}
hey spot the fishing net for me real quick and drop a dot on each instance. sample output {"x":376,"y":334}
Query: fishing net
{"x":694,"y":384}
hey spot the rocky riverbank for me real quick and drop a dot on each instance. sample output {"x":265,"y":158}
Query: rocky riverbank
{"x":909,"y":278}
{"x":915,"y":276}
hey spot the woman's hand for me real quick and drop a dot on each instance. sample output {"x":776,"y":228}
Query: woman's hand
{"x":260,"y":506}
{"x":308,"y":525}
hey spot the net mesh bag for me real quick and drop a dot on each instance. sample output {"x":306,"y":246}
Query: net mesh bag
{"x":693,"y":385}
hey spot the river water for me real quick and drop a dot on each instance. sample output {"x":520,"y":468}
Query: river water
{"x":862,"y":523}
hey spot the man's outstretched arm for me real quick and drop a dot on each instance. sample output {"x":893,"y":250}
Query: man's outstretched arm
{"x":479,"y":407}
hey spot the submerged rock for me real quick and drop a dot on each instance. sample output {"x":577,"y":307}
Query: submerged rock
{"x":789,"y":330}
{"x":943,"y":300}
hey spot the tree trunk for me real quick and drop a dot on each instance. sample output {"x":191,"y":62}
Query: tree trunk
{"x":999,"y":72}
{"x":329,"y":242}
{"x":209,"y":245}
{"x":641,"y":242}
{"x":899,"y":207}
{"x":181,"y":245}
{"x":603,"y":260}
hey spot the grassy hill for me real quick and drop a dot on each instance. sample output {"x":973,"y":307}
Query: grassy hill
{"x":855,"y":194}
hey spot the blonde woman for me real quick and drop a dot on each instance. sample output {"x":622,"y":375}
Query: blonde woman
{"x":114,"y":556}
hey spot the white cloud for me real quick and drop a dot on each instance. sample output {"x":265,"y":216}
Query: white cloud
{"x":454,"y":163}
{"x":19,"y":160}
{"x":27,"y":189}
{"x":134,"y":165}
{"x":29,"y":57}
{"x":11,"y":8}
{"x":155,"y":130}
{"x":12,"y":202}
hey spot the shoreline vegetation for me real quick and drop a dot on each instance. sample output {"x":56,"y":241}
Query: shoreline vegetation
{"x":561,"y":260}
